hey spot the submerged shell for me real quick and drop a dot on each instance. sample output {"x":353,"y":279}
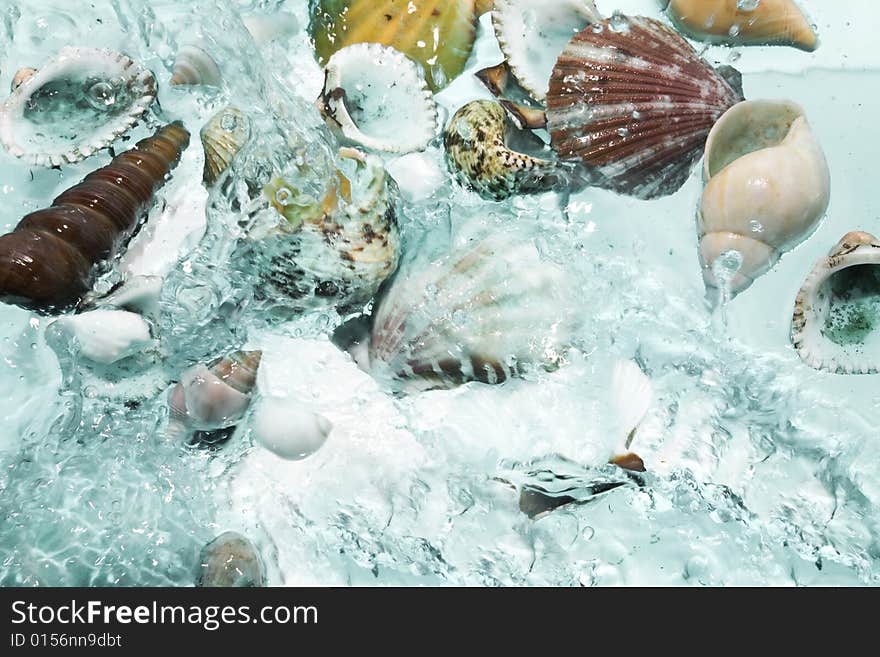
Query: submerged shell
{"x":479,"y":315}
{"x":195,"y":66}
{"x":223,"y":136}
{"x":532,"y":34}
{"x":230,"y":560}
{"x":376,"y":97}
{"x":836,"y":322}
{"x":21,"y":76}
{"x":736,"y":23}
{"x":491,"y":155}
{"x":632,"y":102}
{"x":107,"y":336}
{"x":77,"y":103}
{"x":437,"y":33}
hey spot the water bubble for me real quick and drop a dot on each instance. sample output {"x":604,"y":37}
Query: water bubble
{"x":101,"y":95}
{"x":747,"y":5}
{"x":229,"y":122}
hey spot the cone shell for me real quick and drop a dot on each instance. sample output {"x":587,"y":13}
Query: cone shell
{"x":478,"y":315}
{"x":439,"y":34}
{"x":768,"y":186}
{"x":195,"y":66}
{"x":377,"y":98}
{"x":222,"y":138}
{"x":836,"y":322}
{"x":736,"y":23}
{"x":632,"y":102}
{"x":77,"y":103}
{"x":479,"y":153}
{"x":532,"y":34}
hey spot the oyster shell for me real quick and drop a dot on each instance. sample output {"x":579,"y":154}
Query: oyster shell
{"x":437,"y":33}
{"x":77,"y":103}
{"x":377,"y":98}
{"x":223,"y":136}
{"x":532,"y":34}
{"x":632,"y":102}
{"x":836,"y":322}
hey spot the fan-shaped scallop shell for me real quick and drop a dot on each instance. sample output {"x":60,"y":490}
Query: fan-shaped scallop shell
{"x":632,"y":102}
{"x":77,"y":103}
{"x":223,"y":136}
{"x":376,"y":97}
{"x":836,"y":322}
{"x":480,"y":151}
{"x":478,"y":315}
{"x":532,"y":34}
{"x":437,"y":33}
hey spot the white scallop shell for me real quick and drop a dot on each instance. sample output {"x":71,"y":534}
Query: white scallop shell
{"x":836,"y":323}
{"x":107,"y":336}
{"x":376,"y":97}
{"x":533,"y":33}
{"x":53,"y":127}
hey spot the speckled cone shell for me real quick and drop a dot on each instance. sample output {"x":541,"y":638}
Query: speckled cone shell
{"x":770,"y":22}
{"x":836,"y":321}
{"x":632,"y":102}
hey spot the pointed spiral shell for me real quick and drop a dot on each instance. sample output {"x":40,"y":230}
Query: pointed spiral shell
{"x":48,"y":261}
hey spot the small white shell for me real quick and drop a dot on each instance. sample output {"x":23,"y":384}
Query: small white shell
{"x":288,"y":428}
{"x":532,"y":34}
{"x":194,"y":66}
{"x":632,"y":393}
{"x":76,"y":104}
{"x":21,"y":76}
{"x":107,"y":336}
{"x":836,"y":322}
{"x":376,"y":97}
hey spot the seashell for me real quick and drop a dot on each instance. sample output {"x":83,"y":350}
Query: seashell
{"x":632,"y":102}
{"x":49,"y":260}
{"x":376,"y":97}
{"x":479,"y":315}
{"x":338,"y":250}
{"x":107,"y":336}
{"x":482,"y":6}
{"x":743,"y":22}
{"x":632,"y":394}
{"x":439,"y":34}
{"x":533,"y":33}
{"x":836,"y":322}
{"x":195,"y":66}
{"x":488,"y":153}
{"x":230,"y":560}
{"x":222,"y":138}
{"x":266,"y":28}
{"x":768,"y":186}
{"x":214,"y":396}
{"x":77,"y":103}
{"x":288,"y":428}
{"x":21,"y":76}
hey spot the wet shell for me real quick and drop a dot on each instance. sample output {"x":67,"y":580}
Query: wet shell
{"x":737,"y":23}
{"x":77,"y":103}
{"x":836,"y":323}
{"x":377,"y":98}
{"x":21,"y":76}
{"x":480,"y":145}
{"x":107,"y":336}
{"x":215,"y":396}
{"x":532,"y":34}
{"x":50,"y":259}
{"x":439,"y":34}
{"x":479,"y":315}
{"x":222,"y":138}
{"x":230,"y":560}
{"x":632,"y":102}
{"x":194,"y":66}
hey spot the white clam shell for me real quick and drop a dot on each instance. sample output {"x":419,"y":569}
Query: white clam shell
{"x":376,"y":97}
{"x":288,"y":429}
{"x":768,"y":186}
{"x":532,"y":34}
{"x":836,"y":322}
{"x":116,"y":89}
{"x":107,"y":336}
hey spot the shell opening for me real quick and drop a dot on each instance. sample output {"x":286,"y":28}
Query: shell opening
{"x":852,"y":320}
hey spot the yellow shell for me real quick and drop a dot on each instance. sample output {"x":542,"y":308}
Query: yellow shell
{"x":437,"y":33}
{"x":769,"y":22}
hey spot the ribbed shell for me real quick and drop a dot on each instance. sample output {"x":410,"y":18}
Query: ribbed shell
{"x":633,"y":103}
{"x":48,"y":261}
{"x":222,"y":138}
{"x":195,"y":66}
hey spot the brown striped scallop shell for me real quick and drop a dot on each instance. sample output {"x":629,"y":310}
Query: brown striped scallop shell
{"x":48,"y":261}
{"x":632,"y":102}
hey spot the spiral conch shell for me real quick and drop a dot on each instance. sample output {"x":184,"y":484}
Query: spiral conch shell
{"x":195,"y":66}
{"x":743,"y":22}
{"x":836,"y":322}
{"x":768,"y":186}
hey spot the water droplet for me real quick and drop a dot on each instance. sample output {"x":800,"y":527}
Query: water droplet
{"x":229,"y":122}
{"x":747,"y":5}
{"x":101,"y":95}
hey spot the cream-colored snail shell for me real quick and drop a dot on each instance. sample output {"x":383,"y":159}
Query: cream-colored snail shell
{"x":767,"y":187}
{"x":734,"y":22}
{"x":194,"y":66}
